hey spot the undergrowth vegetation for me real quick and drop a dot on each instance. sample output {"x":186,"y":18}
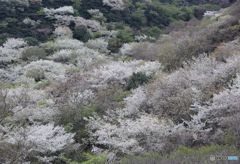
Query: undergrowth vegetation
{"x":119,"y":81}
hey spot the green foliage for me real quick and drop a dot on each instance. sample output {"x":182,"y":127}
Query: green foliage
{"x":138,"y":18}
{"x":230,"y":137}
{"x":31,"y":41}
{"x":136,"y":80}
{"x":34,"y":53}
{"x":42,"y":103}
{"x":82,"y":33}
{"x":205,"y":150}
{"x":40,"y":12}
{"x":185,"y":14}
{"x":42,"y":84}
{"x":8,"y":85}
{"x":120,"y":95}
{"x":76,"y":4}
{"x":123,"y":36}
{"x":114,"y":44}
{"x":141,"y":14}
{"x":68,"y":127}
{"x":76,"y":114}
{"x":95,"y":159}
{"x":72,"y":117}
{"x":96,"y":34}
{"x":3,"y":24}
{"x":84,"y":158}
{"x":2,"y":40}
{"x":88,"y":110}
{"x":73,"y":70}
{"x":198,"y":12}
{"x":184,"y":155}
{"x":153,"y":31}
{"x":37,"y":74}
{"x":11,"y":20}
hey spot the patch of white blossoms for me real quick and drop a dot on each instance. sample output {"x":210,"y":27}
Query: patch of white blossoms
{"x":114,"y":4}
{"x":52,"y":70}
{"x":17,"y":2}
{"x":80,"y":97}
{"x":68,"y":49}
{"x":14,"y":43}
{"x":86,"y":57}
{"x":62,"y":55}
{"x":119,"y":70}
{"x":134,"y":102}
{"x":29,"y":21}
{"x":63,"y":32}
{"x":65,"y":10}
{"x":99,"y":44}
{"x":123,"y":133}
{"x":92,"y":25}
{"x":228,"y":100}
{"x":65,"y":43}
{"x":12,"y":49}
{"x":131,"y":129}
{"x":30,"y":104}
{"x":41,"y":138}
{"x":126,"y":48}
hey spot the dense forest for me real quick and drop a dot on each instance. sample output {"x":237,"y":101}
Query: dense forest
{"x":119,"y":81}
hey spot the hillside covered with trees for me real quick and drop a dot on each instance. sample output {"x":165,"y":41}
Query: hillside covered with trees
{"x":119,"y":81}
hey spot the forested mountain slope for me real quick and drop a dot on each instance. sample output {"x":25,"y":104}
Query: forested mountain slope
{"x":119,"y":81}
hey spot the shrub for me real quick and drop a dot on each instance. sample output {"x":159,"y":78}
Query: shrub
{"x":114,"y":44}
{"x":2,"y":40}
{"x":182,"y":46}
{"x":40,"y":12}
{"x":31,"y":41}
{"x":74,"y":103}
{"x":42,"y":84}
{"x":12,"y":152}
{"x":36,"y":73}
{"x":142,"y":50}
{"x":174,"y":94}
{"x":198,"y":12}
{"x":230,"y":137}
{"x":109,"y":99}
{"x":226,"y":50}
{"x":14,"y":43}
{"x":153,"y":31}
{"x":53,"y":139}
{"x":172,"y":99}
{"x":114,"y":4}
{"x":34,"y":53}
{"x":53,"y":71}
{"x":82,"y":33}
{"x":139,"y":18}
{"x":65,"y":10}
{"x":74,"y":116}
{"x":62,"y":56}
{"x":137,"y":79}
{"x":120,"y":95}
{"x":116,"y":72}
{"x":125,"y":35}
{"x":63,"y":32}
{"x":76,"y":4}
